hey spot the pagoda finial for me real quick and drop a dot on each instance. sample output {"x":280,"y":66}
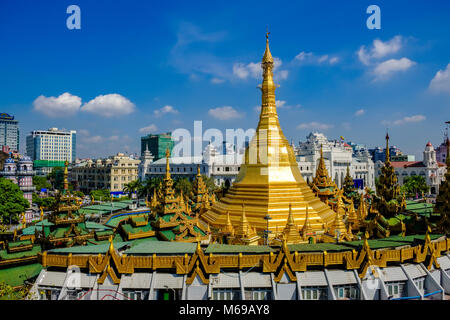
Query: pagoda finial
{"x":111,"y":245}
{"x":167,"y":164}
{"x":388,"y":157}
{"x":66,"y":174}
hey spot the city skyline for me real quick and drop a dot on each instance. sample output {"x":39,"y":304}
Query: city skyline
{"x":136,"y":68}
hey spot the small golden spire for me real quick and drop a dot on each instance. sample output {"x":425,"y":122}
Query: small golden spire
{"x":111,"y":245}
{"x":167,"y":164}
{"x":267,"y":58}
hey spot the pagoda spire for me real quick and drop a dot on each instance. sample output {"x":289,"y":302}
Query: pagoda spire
{"x":306,"y":227}
{"x":388,"y":156}
{"x":243,"y":226}
{"x":339,"y":224}
{"x":269,"y":164}
{"x":66,"y":174}
{"x":290,"y":232}
{"x":167,"y":164}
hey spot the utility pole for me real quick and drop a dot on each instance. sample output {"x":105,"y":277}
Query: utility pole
{"x":267,"y":231}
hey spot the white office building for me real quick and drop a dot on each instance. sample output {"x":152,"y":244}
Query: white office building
{"x":51,"y":148}
{"x":337,"y":155}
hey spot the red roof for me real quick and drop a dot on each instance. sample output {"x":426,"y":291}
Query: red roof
{"x":407,"y":164}
{"x":412,"y":164}
{"x":429,"y":144}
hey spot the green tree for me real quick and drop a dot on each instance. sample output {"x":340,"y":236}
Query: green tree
{"x":132,"y":187}
{"x":41,"y":183}
{"x":37,"y":200}
{"x":56,"y":178}
{"x":183,"y":184}
{"x":414,"y":184}
{"x":210,"y":184}
{"x":49,"y":202}
{"x":12,"y":202}
{"x":101,"y":195}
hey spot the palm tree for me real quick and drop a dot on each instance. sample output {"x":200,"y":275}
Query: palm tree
{"x":132,"y":187}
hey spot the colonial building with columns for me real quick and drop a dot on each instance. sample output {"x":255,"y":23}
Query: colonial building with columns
{"x":338,"y":155}
{"x":432,"y":170}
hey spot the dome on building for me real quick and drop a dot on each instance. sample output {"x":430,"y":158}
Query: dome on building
{"x":429,"y":144}
{"x":25,"y":159}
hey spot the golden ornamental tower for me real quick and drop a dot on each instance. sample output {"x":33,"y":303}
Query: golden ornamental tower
{"x":269,"y":178}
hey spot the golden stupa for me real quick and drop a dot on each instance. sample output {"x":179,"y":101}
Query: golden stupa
{"x":269,"y":180}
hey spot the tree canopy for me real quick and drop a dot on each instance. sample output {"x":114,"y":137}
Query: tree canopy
{"x":413,"y":185}
{"x":101,"y":195}
{"x":41,"y":183}
{"x":12,"y":202}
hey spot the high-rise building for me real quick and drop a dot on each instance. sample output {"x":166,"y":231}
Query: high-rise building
{"x":50,"y":148}
{"x":9,"y":132}
{"x":157,"y":144}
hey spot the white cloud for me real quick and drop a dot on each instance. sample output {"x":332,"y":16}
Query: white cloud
{"x":388,"y":67}
{"x":360,"y":112}
{"x":148,"y":129}
{"x":315,"y":125}
{"x":310,"y":58}
{"x":164,"y":110}
{"x":63,"y":106}
{"x":93,"y":139}
{"x":411,"y":119}
{"x":109,"y":105}
{"x":217,"y":80}
{"x":441,"y":81}
{"x":380,"y":49}
{"x":224,"y":113}
{"x":254,"y":70}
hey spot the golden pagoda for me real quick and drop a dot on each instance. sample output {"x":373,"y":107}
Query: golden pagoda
{"x":291,"y":234}
{"x":269,"y":178}
{"x":322,"y":185}
{"x":338,"y":226}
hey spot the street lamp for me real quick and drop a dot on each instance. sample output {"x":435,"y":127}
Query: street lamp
{"x":267,"y":231}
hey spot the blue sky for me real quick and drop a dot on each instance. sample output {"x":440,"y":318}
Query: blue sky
{"x":137,"y":67}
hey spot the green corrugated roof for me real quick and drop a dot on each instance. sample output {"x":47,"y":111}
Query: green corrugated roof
{"x":316,"y":247}
{"x":162,"y":247}
{"x":93,"y":249}
{"x":96,"y":226}
{"x":168,"y":234}
{"x":130,"y":229}
{"x":15,"y":276}
{"x":4,"y":255}
{"x":231,"y":248}
{"x":19,"y":243}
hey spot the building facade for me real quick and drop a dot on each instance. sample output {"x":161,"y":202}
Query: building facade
{"x":379,"y":154}
{"x":21,"y":173}
{"x":9,"y":132}
{"x":111,"y":173}
{"x":337,"y":156}
{"x":157,"y":144}
{"x":223,"y":168}
{"x":50,"y":148}
{"x":432,"y":170}
{"x":441,"y":152}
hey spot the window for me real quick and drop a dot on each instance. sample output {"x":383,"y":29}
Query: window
{"x":347,"y":292}
{"x":419,"y":282}
{"x":258,"y":294}
{"x":315,"y":293}
{"x":226,"y":293}
{"x":396,"y":289}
